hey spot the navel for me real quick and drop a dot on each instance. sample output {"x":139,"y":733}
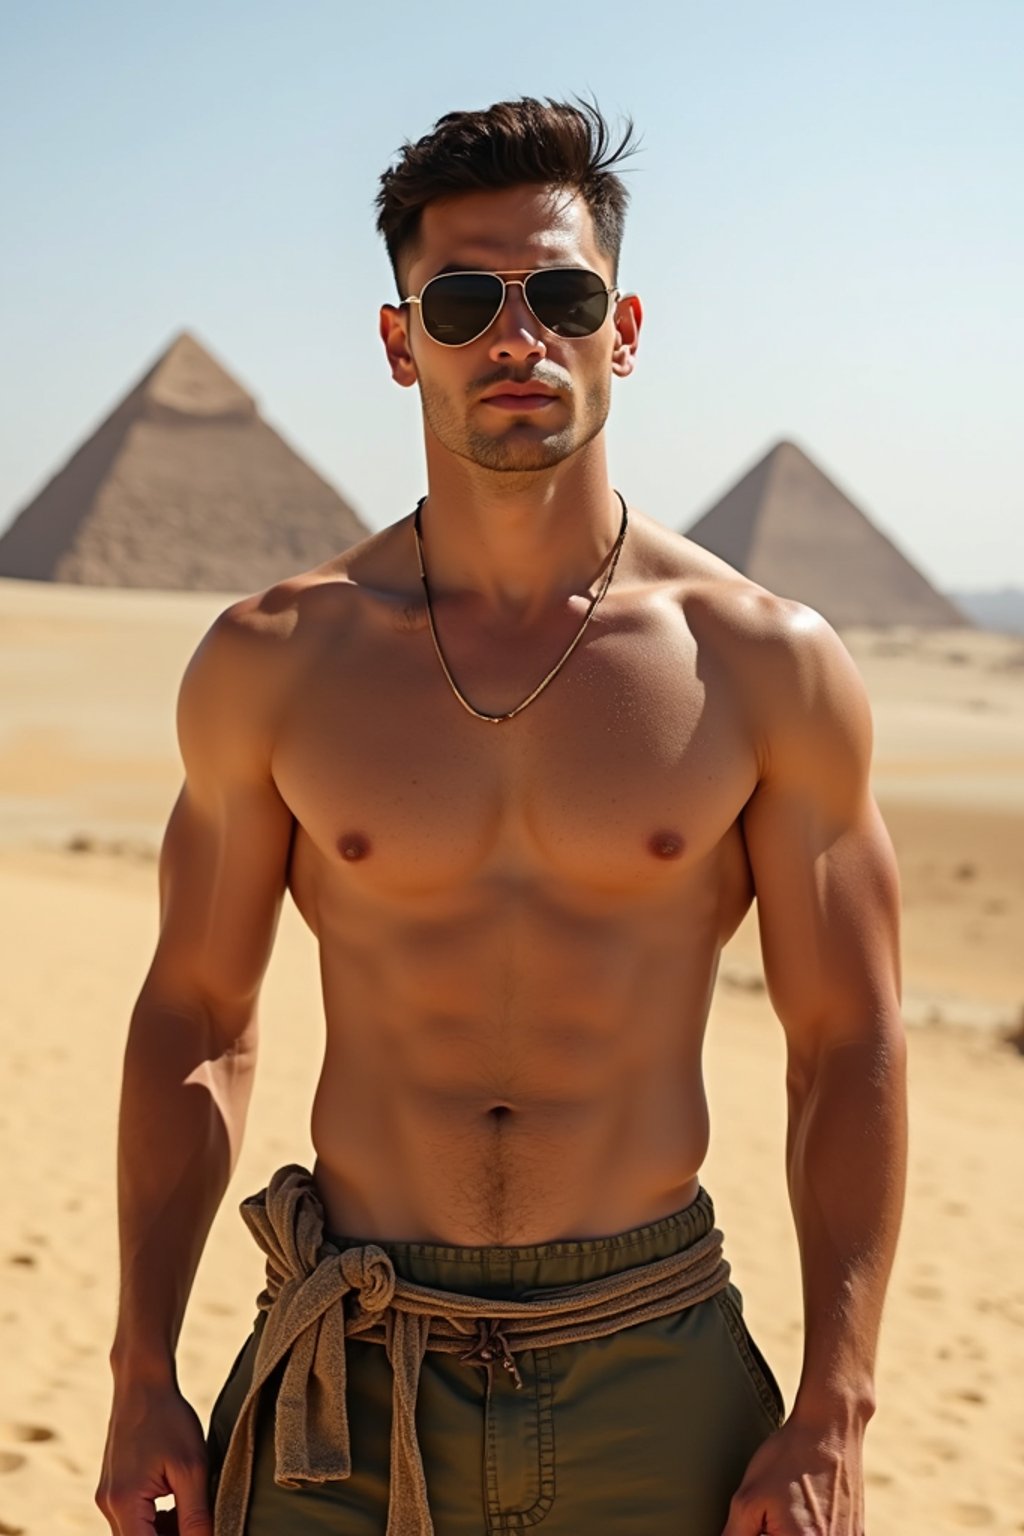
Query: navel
{"x":665,"y":844}
{"x":353,"y":845}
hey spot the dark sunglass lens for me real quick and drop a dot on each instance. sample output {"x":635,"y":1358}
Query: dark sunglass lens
{"x":458,"y":306}
{"x":569,"y":301}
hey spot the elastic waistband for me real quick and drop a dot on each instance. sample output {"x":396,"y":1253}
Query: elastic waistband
{"x":517,"y":1272}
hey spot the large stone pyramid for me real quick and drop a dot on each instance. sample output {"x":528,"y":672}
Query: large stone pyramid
{"x":787,"y":527}
{"x":183,"y":486}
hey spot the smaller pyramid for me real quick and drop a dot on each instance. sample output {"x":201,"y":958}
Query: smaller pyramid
{"x":786,"y":526}
{"x":184,"y":486}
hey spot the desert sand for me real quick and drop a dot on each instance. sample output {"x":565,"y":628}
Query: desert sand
{"x":88,"y":771}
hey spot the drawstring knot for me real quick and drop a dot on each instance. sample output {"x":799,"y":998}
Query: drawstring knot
{"x":491,"y":1342}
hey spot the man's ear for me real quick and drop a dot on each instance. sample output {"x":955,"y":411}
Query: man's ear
{"x":394,"y":333}
{"x":629,"y":317}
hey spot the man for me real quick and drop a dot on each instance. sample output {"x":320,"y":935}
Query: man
{"x":523,"y":759}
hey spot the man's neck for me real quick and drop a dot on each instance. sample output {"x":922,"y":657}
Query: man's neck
{"x":519,"y":543}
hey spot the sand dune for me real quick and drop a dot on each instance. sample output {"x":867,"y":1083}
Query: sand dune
{"x":88,"y":770}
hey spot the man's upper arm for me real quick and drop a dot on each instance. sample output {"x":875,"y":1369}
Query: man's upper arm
{"x":824,"y":870}
{"x":223,"y":862}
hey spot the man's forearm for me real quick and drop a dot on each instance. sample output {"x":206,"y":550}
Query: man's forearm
{"x":846,"y":1167}
{"x":183,"y":1105}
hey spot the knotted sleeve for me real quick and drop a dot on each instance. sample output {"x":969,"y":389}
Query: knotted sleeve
{"x":307,"y":1281}
{"x":408,"y":1507}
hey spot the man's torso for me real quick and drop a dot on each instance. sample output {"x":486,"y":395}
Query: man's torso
{"x":519,"y":923}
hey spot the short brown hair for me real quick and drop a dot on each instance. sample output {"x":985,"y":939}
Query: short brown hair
{"x":507,"y":145}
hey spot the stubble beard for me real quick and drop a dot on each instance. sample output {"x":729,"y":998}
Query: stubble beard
{"x":514,"y":452}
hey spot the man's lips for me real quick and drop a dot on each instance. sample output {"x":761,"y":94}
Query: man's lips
{"x":519,"y":400}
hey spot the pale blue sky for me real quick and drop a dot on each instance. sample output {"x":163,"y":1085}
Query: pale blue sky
{"x":827,"y":229}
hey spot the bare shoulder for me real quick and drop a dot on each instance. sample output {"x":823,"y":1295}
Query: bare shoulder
{"x":266,"y":629}
{"x":245,"y":668}
{"x":229,"y":692}
{"x":790,"y":653}
{"x":262,"y":623}
{"x":786,"y":665}
{"x":246,"y":649}
{"x":803,"y":696}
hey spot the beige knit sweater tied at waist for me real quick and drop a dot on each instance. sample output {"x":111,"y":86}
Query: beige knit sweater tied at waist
{"x":317,"y":1295}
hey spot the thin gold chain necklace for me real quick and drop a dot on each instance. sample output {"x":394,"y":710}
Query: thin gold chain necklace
{"x":559,"y":664}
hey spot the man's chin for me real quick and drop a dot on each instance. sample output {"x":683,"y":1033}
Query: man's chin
{"x":510,"y":454}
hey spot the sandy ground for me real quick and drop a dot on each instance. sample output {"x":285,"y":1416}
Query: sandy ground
{"x":88,"y":770}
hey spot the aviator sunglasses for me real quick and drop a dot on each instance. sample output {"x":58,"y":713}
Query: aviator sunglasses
{"x":458,"y":307}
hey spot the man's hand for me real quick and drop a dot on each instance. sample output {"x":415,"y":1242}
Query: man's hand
{"x":802,"y":1481}
{"x":155,"y":1446}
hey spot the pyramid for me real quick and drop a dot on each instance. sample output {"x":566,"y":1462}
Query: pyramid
{"x":787,"y":527}
{"x":183,"y":486}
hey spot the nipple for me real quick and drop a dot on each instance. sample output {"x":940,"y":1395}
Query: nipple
{"x":353,"y":845}
{"x":665,"y":845}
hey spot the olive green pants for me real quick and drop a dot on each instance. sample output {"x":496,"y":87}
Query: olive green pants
{"x":645,"y":1433}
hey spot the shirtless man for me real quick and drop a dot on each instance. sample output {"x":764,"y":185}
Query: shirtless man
{"x":521,"y":857}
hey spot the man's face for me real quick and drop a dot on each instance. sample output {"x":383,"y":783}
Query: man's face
{"x":510,"y":231}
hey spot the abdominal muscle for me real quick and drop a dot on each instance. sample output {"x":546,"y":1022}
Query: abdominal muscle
{"x":489,"y":1083}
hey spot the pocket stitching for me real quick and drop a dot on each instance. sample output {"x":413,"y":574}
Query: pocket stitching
{"x":519,"y":1519}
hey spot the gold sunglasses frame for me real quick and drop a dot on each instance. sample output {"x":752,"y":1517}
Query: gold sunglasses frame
{"x":506,"y":284}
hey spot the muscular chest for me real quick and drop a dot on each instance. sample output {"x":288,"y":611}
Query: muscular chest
{"x":627,"y":770}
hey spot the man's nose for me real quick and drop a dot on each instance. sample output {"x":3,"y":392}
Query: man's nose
{"x":516,"y":333}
